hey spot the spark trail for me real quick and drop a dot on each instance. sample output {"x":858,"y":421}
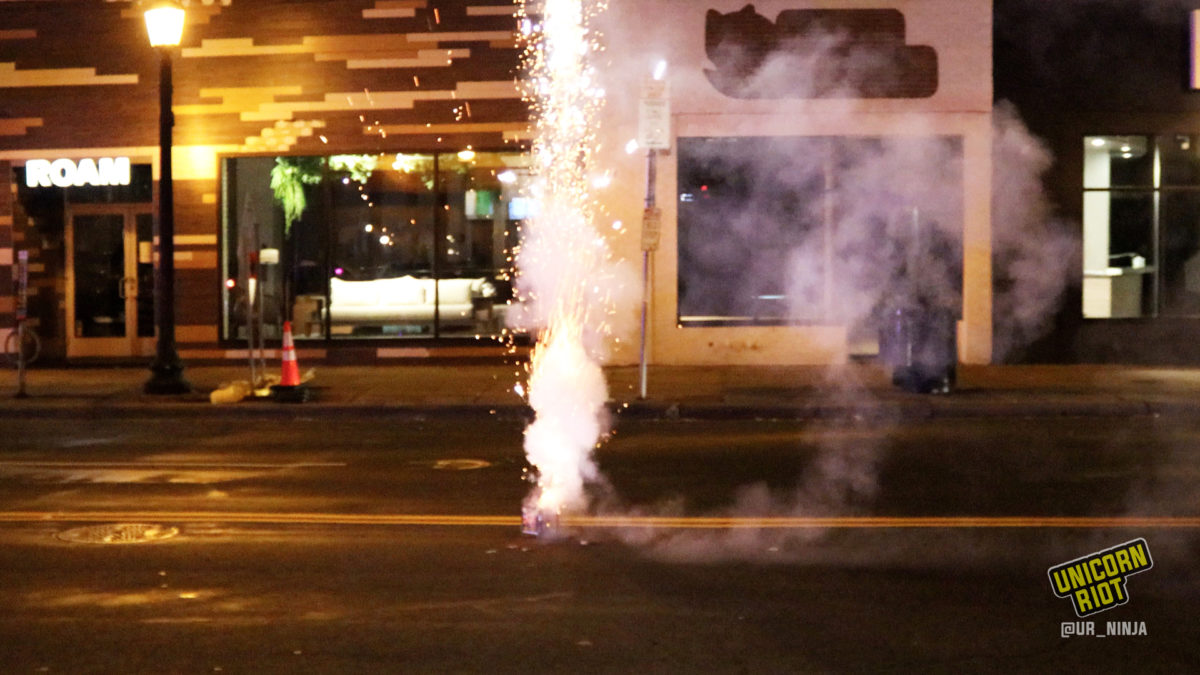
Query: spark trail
{"x":566,"y":274}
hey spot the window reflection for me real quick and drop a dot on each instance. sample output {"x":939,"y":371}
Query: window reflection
{"x":1141,"y":226}
{"x":808,"y":229}
{"x":383,"y":246}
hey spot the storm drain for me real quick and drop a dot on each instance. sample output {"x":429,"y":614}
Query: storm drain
{"x":118,"y":533}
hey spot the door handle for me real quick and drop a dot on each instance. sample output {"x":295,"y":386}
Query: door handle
{"x":128,"y":287}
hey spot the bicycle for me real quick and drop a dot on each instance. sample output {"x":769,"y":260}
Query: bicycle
{"x":31,"y":346}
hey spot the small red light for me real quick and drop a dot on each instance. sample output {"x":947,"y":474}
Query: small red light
{"x":230,"y":283}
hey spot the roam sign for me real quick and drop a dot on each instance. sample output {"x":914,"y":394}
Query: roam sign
{"x":66,"y":173}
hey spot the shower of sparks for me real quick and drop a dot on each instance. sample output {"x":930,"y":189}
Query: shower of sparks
{"x":565,"y":265}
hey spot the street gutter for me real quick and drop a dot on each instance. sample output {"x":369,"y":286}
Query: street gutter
{"x":896,"y":409}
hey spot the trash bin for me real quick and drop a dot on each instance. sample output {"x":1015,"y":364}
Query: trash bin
{"x":921,"y":346}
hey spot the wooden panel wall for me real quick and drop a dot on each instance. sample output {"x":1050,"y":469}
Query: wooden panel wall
{"x":265,"y":75}
{"x":7,"y":298}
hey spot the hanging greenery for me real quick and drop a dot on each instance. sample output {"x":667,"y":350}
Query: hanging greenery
{"x":360,"y":167}
{"x":288,"y":178}
{"x":420,"y":166}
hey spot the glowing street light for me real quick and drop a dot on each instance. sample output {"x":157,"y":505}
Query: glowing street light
{"x":164,"y":25}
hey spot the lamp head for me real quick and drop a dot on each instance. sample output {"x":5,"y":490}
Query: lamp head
{"x":164,"y":24}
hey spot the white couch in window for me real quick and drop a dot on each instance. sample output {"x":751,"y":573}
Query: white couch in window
{"x":405,"y":300}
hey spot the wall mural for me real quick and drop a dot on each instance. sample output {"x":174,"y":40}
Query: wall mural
{"x":817,"y":53}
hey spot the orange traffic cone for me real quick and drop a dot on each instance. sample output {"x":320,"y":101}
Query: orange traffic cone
{"x":289,"y":389}
{"x":290,"y":377}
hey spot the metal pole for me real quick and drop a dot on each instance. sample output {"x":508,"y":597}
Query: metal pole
{"x":645,"y":304}
{"x":651,"y":178}
{"x":22,"y":315}
{"x":167,"y":368}
{"x":21,"y":360}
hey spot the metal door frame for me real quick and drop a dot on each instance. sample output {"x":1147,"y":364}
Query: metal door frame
{"x":130,"y":344}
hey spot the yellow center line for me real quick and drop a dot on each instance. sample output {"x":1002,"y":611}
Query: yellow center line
{"x":860,"y":522}
{"x":615,"y":522}
{"x":169,"y":465}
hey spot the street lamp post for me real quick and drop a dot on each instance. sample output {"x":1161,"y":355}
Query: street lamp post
{"x":164,"y":24}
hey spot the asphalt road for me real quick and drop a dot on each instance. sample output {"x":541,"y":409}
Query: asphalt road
{"x":392,"y":545}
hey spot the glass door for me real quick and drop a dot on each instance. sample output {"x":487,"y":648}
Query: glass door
{"x":110,"y":287}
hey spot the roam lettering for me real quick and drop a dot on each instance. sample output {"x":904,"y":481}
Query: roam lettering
{"x":65,"y":173}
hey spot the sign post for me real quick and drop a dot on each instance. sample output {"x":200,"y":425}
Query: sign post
{"x":654,"y":134}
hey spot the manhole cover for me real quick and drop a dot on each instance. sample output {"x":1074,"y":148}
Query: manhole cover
{"x":460,"y":464}
{"x":118,"y":533}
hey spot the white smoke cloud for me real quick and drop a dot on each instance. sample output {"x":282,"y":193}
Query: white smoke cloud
{"x":863,"y":224}
{"x":1036,"y":256}
{"x":888,"y":214}
{"x":884,"y":190}
{"x":841,"y":479}
{"x":885,"y":228}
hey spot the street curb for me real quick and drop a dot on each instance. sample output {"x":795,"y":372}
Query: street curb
{"x":916,"y":409}
{"x":909,"y":411}
{"x":265,"y":410}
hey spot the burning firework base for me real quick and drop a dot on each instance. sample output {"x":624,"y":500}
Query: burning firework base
{"x":536,"y":522}
{"x":537,"y":519}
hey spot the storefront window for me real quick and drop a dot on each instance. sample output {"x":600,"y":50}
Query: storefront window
{"x":833,"y":229}
{"x":1141,"y":226}
{"x":381,"y":246}
{"x":378,"y":246}
{"x":741,"y":220}
{"x":478,"y":235}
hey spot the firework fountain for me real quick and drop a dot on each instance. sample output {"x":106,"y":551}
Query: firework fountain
{"x":565,"y":267}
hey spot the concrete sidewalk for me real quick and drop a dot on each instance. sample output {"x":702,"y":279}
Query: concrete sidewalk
{"x":837,"y":392}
